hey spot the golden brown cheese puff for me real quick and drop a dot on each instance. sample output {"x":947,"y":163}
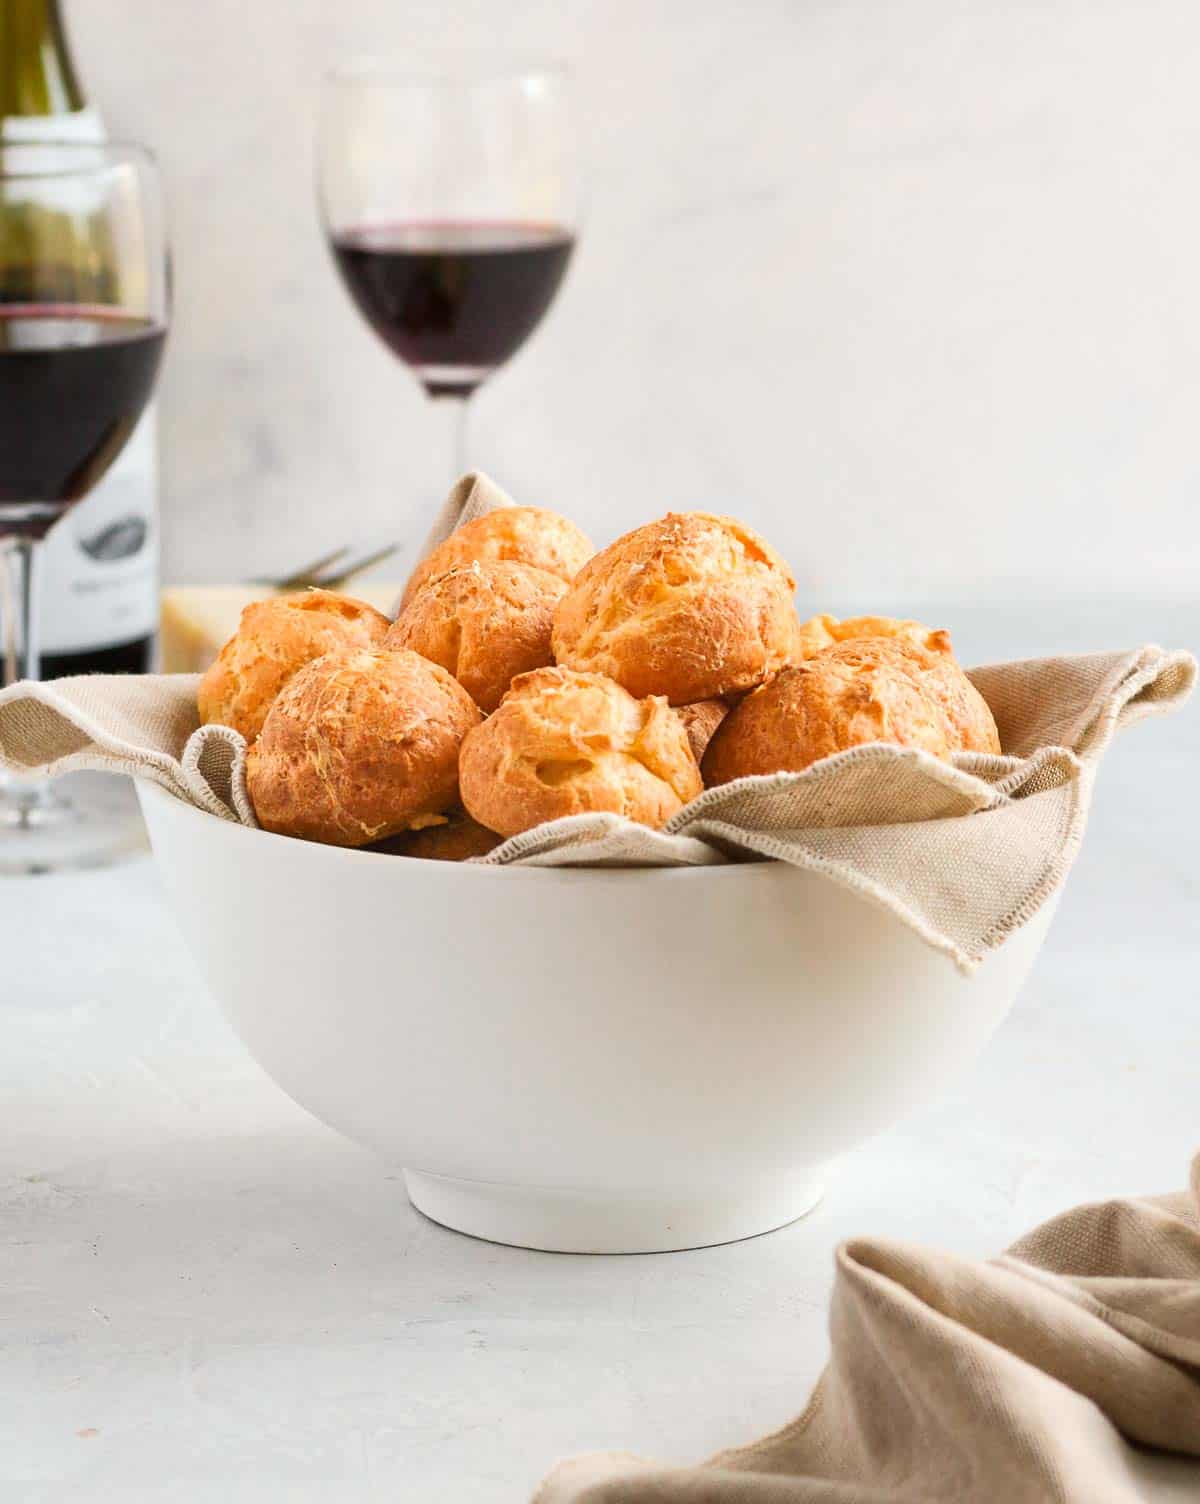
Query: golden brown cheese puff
{"x":565,"y":743}
{"x":484,"y":623}
{"x":457,"y":841}
{"x":527,"y":535}
{"x":274,"y":639}
{"x":700,"y":721}
{"x":360,"y":746}
{"x":821,"y":632}
{"x":970,"y":715}
{"x":691,"y":607}
{"x":868,"y":690}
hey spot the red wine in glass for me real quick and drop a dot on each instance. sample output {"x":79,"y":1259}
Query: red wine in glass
{"x":73,"y":382}
{"x":453,"y":299}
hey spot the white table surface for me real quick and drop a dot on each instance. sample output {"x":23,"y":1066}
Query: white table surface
{"x":200,"y":1284}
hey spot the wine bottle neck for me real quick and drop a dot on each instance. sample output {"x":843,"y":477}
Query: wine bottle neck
{"x":37,"y":76}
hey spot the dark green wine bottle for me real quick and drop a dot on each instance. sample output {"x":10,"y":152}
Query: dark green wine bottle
{"x":37,"y":75}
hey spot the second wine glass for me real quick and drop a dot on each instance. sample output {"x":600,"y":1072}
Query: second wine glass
{"x":450,"y":197}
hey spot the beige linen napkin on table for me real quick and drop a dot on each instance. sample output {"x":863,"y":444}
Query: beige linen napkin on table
{"x":1033,"y":1378}
{"x":963,"y":853}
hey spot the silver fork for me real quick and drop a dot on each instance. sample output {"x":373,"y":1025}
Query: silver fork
{"x":330,"y":571}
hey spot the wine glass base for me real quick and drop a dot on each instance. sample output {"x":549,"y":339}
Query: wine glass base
{"x":81,"y":820}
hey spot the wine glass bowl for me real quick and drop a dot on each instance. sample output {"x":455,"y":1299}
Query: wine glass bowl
{"x":450,"y":198}
{"x":82,"y":321}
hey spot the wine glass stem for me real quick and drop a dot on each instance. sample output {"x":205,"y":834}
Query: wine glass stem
{"x":23,"y":806}
{"x":453,"y":408}
{"x":22,"y":560}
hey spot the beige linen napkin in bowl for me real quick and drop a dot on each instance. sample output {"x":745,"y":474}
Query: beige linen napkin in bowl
{"x":963,"y":853}
{"x":1034,"y":1378}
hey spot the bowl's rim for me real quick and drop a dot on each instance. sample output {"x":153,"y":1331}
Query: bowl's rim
{"x":150,"y":790}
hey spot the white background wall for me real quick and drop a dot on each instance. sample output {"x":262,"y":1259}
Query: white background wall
{"x":914,"y":286}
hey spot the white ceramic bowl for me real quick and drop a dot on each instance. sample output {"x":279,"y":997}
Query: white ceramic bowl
{"x":603,"y":1061}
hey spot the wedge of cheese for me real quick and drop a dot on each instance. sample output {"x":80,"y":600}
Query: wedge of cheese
{"x":197,"y":620}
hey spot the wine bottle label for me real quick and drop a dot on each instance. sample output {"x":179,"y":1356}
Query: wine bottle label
{"x":100,"y":563}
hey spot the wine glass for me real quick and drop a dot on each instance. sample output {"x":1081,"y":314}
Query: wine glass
{"x":450,"y":197}
{"x":83,"y":317}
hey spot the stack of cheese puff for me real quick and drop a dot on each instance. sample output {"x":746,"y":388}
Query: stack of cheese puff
{"x":528,"y":677}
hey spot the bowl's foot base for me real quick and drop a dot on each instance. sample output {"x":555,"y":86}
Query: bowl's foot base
{"x":566,"y":1221}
